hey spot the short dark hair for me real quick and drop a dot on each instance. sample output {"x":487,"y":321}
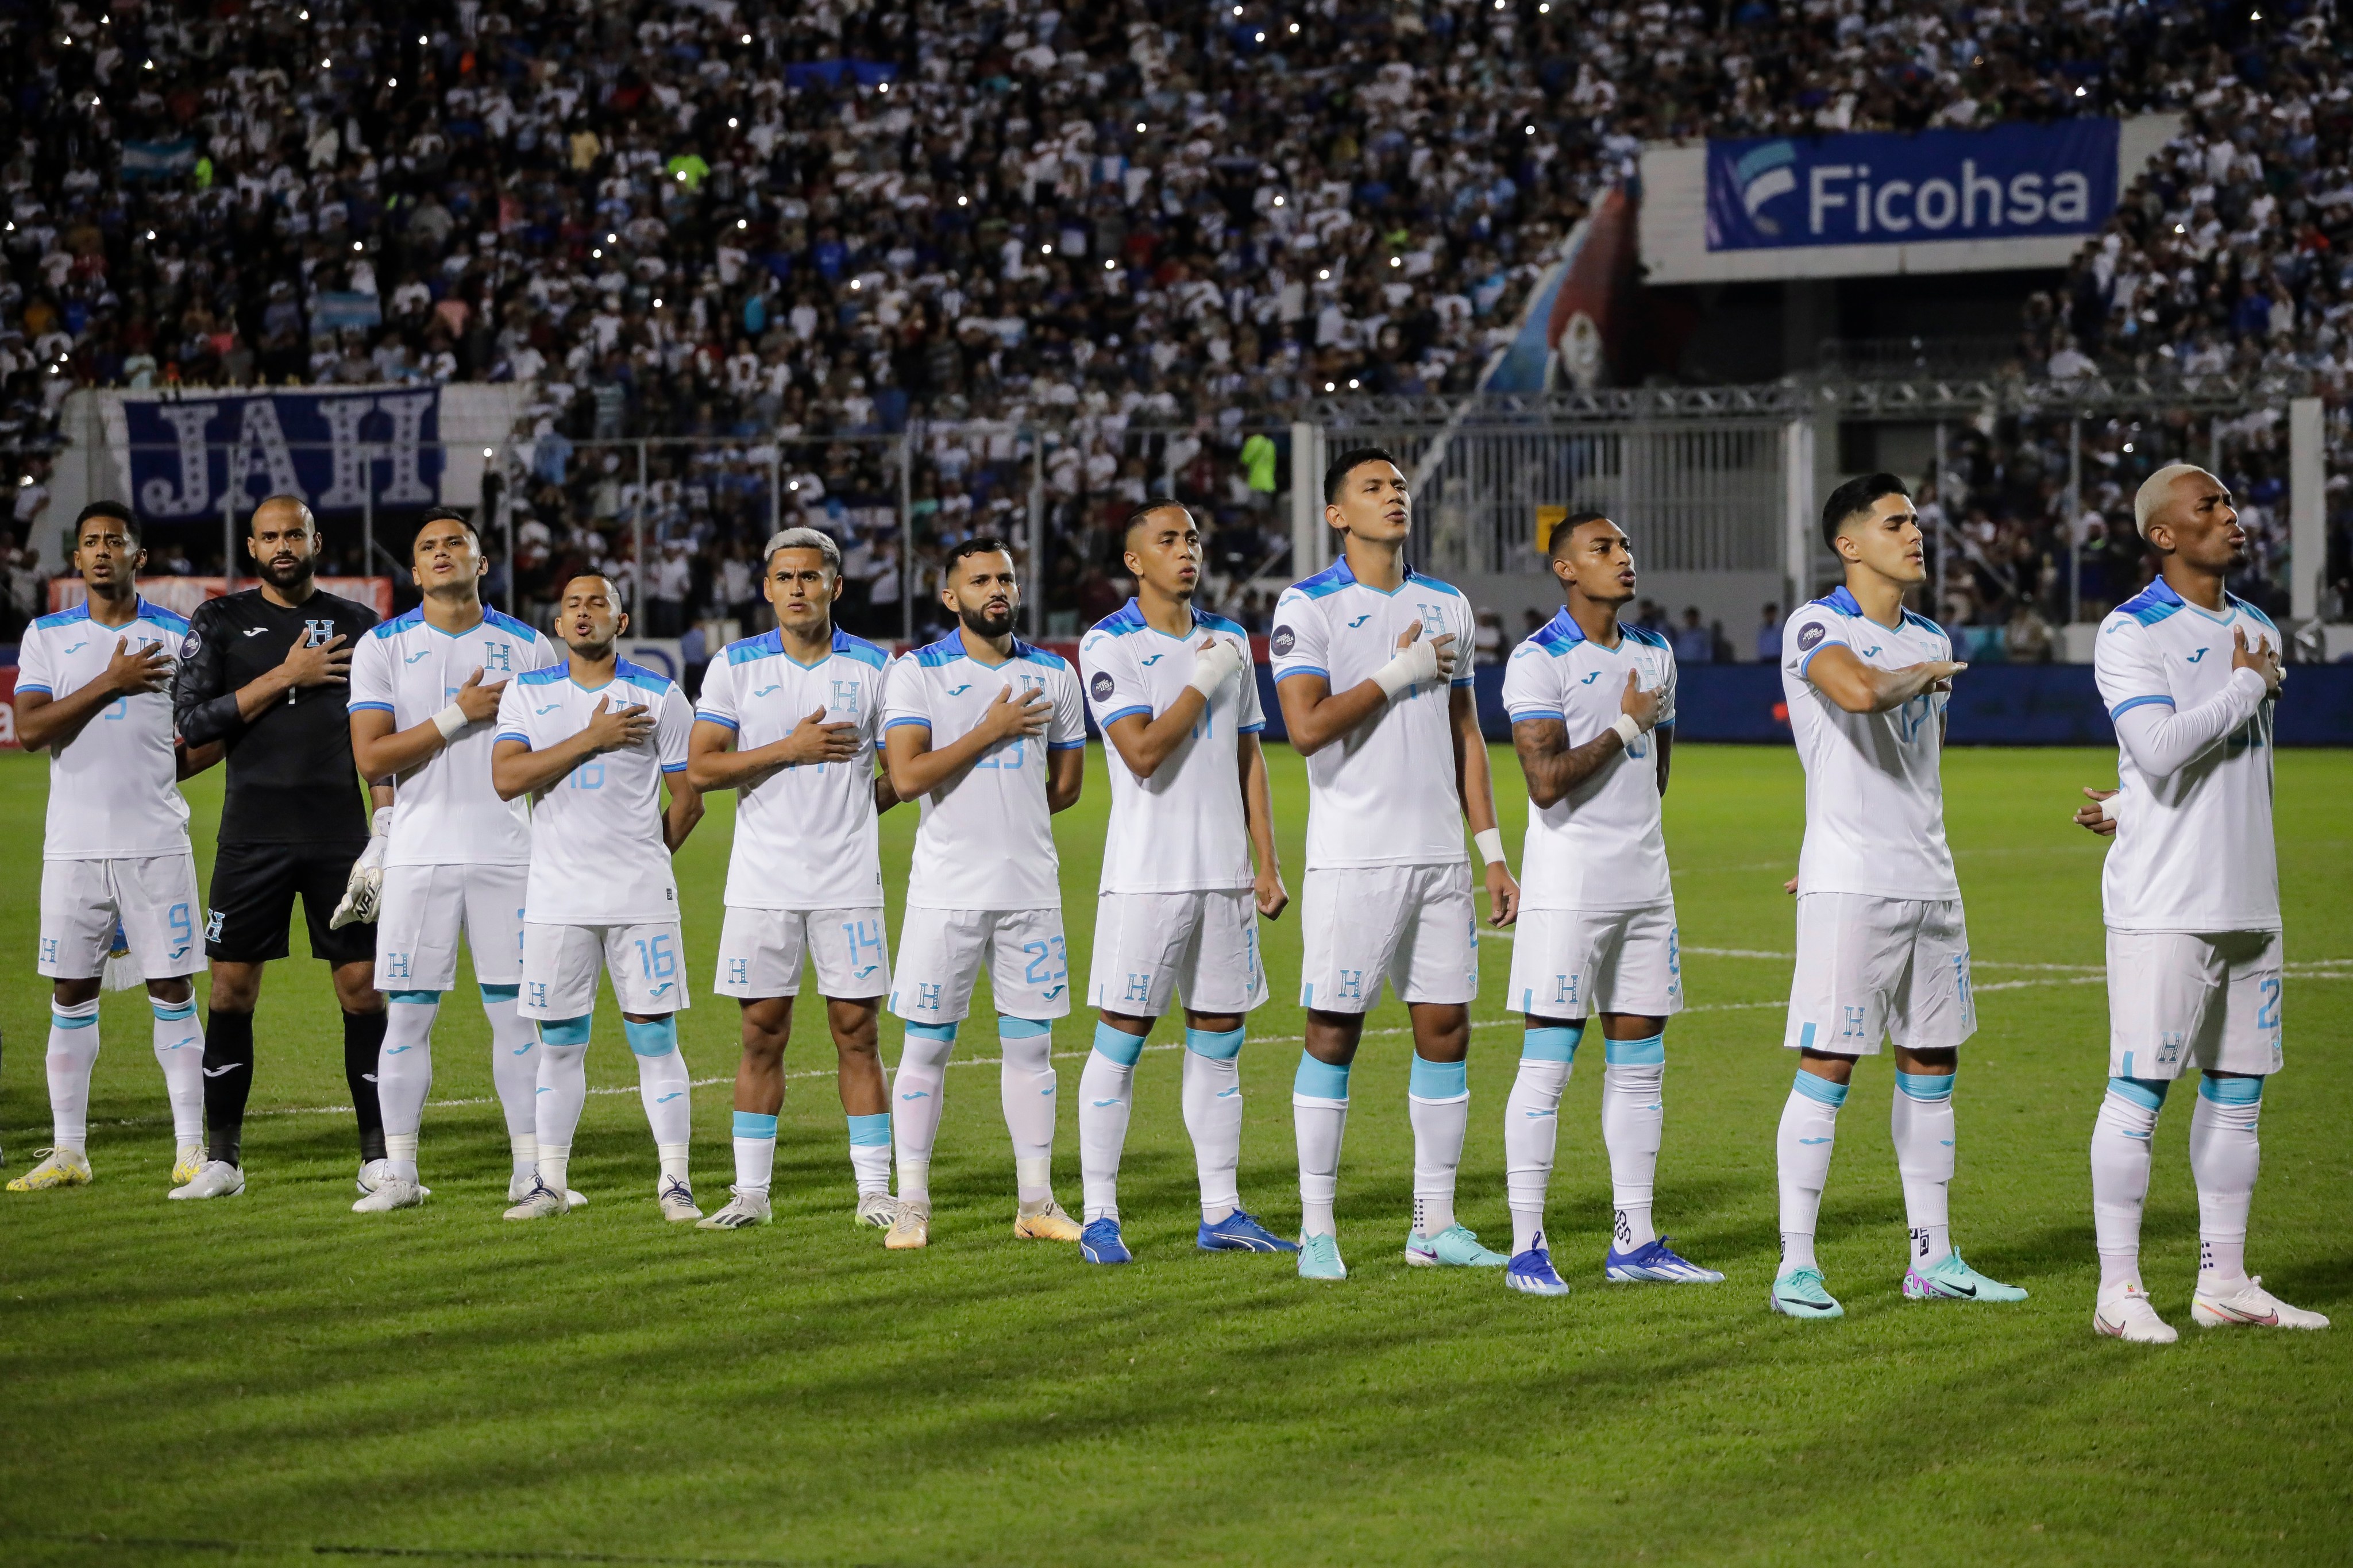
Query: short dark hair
{"x":1854,"y":498}
{"x":978,"y":544}
{"x":449,"y":514}
{"x":1142,"y":509}
{"x":114,"y":509}
{"x":1337,"y":473}
{"x":1558,"y":540}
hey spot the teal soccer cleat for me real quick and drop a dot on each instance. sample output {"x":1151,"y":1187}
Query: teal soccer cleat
{"x":1950,"y":1280}
{"x":1319,"y":1258}
{"x":1799,"y":1293}
{"x":1454,"y":1248}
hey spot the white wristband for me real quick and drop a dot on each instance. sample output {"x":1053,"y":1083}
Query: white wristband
{"x":449,"y":720}
{"x":1627,"y":730}
{"x":1490,"y":841}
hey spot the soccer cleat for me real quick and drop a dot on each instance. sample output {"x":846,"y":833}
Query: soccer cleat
{"x":218,"y":1179}
{"x":519,"y":1188}
{"x":1454,"y":1248}
{"x":1101,"y":1242}
{"x":2248,"y":1304}
{"x":911,"y":1227}
{"x":59,"y":1168}
{"x":1319,"y":1258}
{"x":1654,"y":1262}
{"x":677,"y":1201}
{"x":191,"y":1160}
{"x":746,"y":1207}
{"x":373,"y":1174}
{"x":1799,"y":1293}
{"x":542,"y":1202}
{"x":391,"y":1192}
{"x":1950,"y":1280}
{"x":877,"y":1209}
{"x":1239,"y":1232}
{"x":1049,"y":1224}
{"x":1533,"y":1272}
{"x":2124,"y":1313}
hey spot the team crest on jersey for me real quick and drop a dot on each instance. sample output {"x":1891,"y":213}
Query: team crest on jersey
{"x":1101,"y":686}
{"x":316,"y":631}
{"x":1284,"y":641}
{"x":1809,"y":635}
{"x":846,"y":699}
{"x":498,"y":656}
{"x":213,"y":918}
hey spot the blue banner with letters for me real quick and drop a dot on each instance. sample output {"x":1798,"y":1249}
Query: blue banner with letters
{"x":2011,"y":182}
{"x":334,"y":449}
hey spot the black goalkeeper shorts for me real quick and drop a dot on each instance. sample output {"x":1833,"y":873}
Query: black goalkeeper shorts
{"x":250,"y":904}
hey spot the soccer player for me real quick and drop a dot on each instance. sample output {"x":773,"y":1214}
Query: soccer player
{"x":426,"y":686}
{"x":1372,"y":662}
{"x":593,"y":740}
{"x":1593,"y":711}
{"x":1883,"y":949}
{"x":2190,"y":896}
{"x":987,"y":730}
{"x":261,"y":672}
{"x":1177,"y":698}
{"x":94,"y":689}
{"x":791,"y":719}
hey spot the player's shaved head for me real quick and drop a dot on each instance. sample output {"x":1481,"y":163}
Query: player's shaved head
{"x":2182,"y":483}
{"x":1141,"y":515}
{"x":281,"y":511}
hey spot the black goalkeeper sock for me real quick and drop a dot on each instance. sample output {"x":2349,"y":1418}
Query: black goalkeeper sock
{"x":363,"y":1043}
{"x":228,"y":1081}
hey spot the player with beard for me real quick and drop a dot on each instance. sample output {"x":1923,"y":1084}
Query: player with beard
{"x":263,"y":672}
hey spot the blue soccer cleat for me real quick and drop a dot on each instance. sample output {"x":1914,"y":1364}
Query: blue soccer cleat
{"x":1950,"y":1280}
{"x":1656,"y":1263}
{"x":1800,"y":1293}
{"x":1319,"y":1258}
{"x":1533,"y":1272}
{"x":1101,"y":1242}
{"x":1239,"y":1232}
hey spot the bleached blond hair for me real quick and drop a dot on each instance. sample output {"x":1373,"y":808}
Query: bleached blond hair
{"x":2152,"y":492}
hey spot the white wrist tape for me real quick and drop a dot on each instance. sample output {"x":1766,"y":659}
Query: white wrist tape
{"x":1214,"y":666}
{"x":1627,"y":730}
{"x":449,"y":720}
{"x":2113,"y":807}
{"x":1490,"y":841}
{"x":1414,"y":667}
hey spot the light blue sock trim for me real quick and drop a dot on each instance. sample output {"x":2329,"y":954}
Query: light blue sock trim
{"x":657,"y":1038}
{"x":501,"y":993}
{"x":2230,"y":1090}
{"x":1552,"y":1045}
{"x":1925,"y":1085}
{"x":1117,"y":1043}
{"x":1320,"y":1079}
{"x":172,"y":1012}
{"x":751,"y":1124}
{"x":79,"y":1016}
{"x":566,"y":1031}
{"x":1218,"y":1044}
{"x":1649,"y":1053}
{"x":1437,"y":1080}
{"x":933,"y":1032}
{"x":2149,"y":1093}
{"x":415,"y":999}
{"x":1011,"y":1028}
{"x":1831,"y":1094}
{"x":866,"y":1132}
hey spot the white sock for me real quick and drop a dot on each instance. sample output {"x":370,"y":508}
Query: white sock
{"x":870,"y":1151}
{"x":1920,"y":1121}
{"x":1633,"y":1120}
{"x":755,"y":1151}
{"x":403,"y":1075}
{"x":667,"y":1097}
{"x":1319,"y":1119}
{"x":1809,"y":1127}
{"x":73,"y":1052}
{"x":1437,"y":1101}
{"x":2224,"y":1157}
{"x":180,"y":1052}
{"x":1532,"y":1128}
{"x":563,"y":1091}
{"x":515,"y":1073}
{"x":2120,"y":1161}
{"x":1025,"y":1083}
{"x":1213,"y":1117}
{"x":916,"y":1089}
{"x":1104,"y":1087}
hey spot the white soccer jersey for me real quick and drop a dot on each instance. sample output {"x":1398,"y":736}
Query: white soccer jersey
{"x":1874,"y":799}
{"x":2193,"y":852}
{"x":445,"y":812}
{"x":985,"y":842}
{"x":1383,"y":794}
{"x":596,"y":851}
{"x":805,"y":835}
{"x":1603,"y":847}
{"x":114,"y":793}
{"x":1182,"y":830}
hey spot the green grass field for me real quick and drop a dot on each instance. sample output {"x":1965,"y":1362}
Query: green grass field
{"x":274,"y":1378}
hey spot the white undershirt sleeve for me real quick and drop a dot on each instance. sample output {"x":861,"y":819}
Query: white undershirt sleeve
{"x":2162,"y":742}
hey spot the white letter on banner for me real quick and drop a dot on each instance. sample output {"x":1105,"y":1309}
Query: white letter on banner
{"x":2071,"y":197}
{"x":1936,"y":203}
{"x":259,"y":436}
{"x":346,"y":484}
{"x":187,"y":421}
{"x":407,"y":486}
{"x":1973,"y":186}
{"x":2026,"y":199}
{"x":1889,"y":218}
{"x":1819,"y":197}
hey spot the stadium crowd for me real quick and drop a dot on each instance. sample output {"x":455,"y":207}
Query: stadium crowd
{"x":785,"y":231}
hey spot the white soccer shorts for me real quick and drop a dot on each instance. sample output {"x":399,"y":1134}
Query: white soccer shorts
{"x":426,"y":908}
{"x":1151,"y":948}
{"x":760,"y":952}
{"x":1870,"y":968}
{"x":941,"y":953}
{"x":560,"y":963}
{"x":152,"y":898}
{"x":1413,"y":924}
{"x":1573,"y":963}
{"x":2179,"y":1001}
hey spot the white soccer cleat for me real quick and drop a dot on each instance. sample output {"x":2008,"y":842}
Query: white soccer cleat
{"x":59,"y":1168}
{"x":542,"y":1202}
{"x":373,"y":1174}
{"x":2248,"y":1304}
{"x":911,"y":1228}
{"x":519,"y":1188}
{"x":391,"y":1192}
{"x":745,"y":1208}
{"x":677,"y":1200}
{"x":2124,"y":1313}
{"x":184,"y":1168}
{"x":218,"y":1179}
{"x":877,"y":1209}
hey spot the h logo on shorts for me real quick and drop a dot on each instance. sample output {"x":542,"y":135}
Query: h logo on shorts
{"x":2168,"y":1048}
{"x":395,"y":966}
{"x":1352,"y":985}
{"x":739,"y":972}
{"x":213,"y":918}
{"x":927,"y":997}
{"x":48,"y":950}
{"x":1139,"y":988}
{"x":1563,"y":989}
{"x":538,"y":994}
{"x":1853,"y":1030}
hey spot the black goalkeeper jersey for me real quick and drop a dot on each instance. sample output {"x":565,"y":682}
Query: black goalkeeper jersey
{"x":291,"y":779}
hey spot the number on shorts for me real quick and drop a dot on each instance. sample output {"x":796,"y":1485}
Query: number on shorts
{"x":656,"y":961}
{"x":184,"y":930}
{"x":864,"y":935}
{"x":1046,"y":952}
{"x":2268,"y":1011}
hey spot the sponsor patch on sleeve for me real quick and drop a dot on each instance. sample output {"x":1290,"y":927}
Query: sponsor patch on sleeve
{"x":1809,"y":635}
{"x":1284,"y":641}
{"x":1101,"y":686}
